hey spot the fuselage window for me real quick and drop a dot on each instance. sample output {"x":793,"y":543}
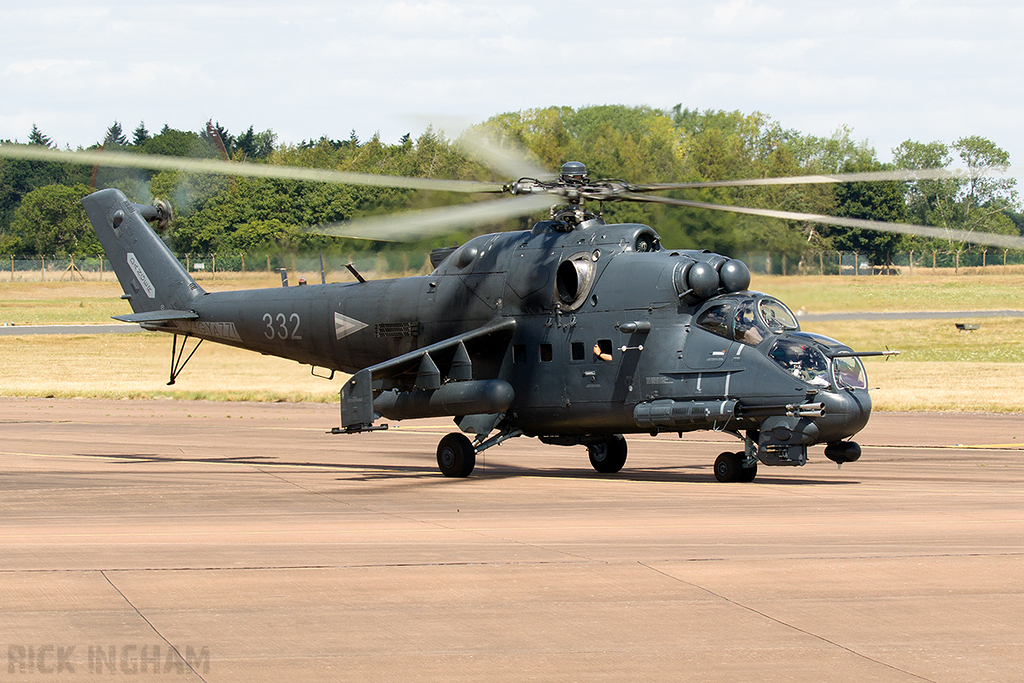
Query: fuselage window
{"x":802,"y":361}
{"x":518,"y":353}
{"x":578,"y":352}
{"x":747,"y":328}
{"x":716,"y":320}
{"x":545,"y":353}
{"x":603,"y":350}
{"x":776,"y":316}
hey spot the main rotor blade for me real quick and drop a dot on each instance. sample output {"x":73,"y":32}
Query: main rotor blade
{"x":509,"y":163}
{"x":985,"y":238}
{"x":414,"y":225}
{"x":156,"y":162}
{"x":866,"y":177}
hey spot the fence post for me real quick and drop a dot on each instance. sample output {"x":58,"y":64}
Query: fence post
{"x":213,"y":267}
{"x":12,"y":266}
{"x":42,"y":269}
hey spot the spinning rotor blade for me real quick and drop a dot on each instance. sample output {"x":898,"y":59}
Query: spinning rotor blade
{"x":414,"y":225}
{"x":868,"y":176}
{"x":156,"y":162}
{"x":509,"y":163}
{"x":986,"y":238}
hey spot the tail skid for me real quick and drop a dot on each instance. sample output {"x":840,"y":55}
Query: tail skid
{"x":155,"y":284}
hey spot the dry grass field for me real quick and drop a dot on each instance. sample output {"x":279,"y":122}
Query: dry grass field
{"x":940,"y":369}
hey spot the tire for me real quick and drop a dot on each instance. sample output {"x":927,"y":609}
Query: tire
{"x":728,"y":467}
{"x":609,"y":455}
{"x":456,"y":456}
{"x":747,"y":474}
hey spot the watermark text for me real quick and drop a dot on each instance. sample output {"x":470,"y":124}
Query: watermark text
{"x":125,"y":659}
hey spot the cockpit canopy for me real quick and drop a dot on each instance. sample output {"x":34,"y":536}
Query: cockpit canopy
{"x":747,"y":319}
{"x":814,"y":359}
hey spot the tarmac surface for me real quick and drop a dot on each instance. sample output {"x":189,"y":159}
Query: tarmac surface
{"x":240,"y":542}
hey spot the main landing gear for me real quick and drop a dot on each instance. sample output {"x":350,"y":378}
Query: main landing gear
{"x":609,"y":454}
{"x":456,"y":454}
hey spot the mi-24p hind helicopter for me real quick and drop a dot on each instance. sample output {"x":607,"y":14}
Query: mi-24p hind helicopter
{"x":576,"y":331}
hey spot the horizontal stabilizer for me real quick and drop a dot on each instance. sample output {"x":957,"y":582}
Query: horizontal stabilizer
{"x":157,"y":316}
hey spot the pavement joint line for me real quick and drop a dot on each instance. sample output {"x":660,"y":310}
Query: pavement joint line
{"x":481,"y":531}
{"x":786,"y":624}
{"x":151,"y":625}
{"x":301,"y":567}
{"x":509,"y":563}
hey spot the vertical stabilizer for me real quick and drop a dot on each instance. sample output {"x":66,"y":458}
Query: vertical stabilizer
{"x":150,"y":275}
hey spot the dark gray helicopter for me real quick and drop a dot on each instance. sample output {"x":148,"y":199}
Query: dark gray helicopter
{"x":575,"y":331}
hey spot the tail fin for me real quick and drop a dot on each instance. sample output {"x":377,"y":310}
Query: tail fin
{"x":153,"y":280}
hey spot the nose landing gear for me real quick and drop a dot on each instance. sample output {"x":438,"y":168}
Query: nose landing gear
{"x":730,"y":467}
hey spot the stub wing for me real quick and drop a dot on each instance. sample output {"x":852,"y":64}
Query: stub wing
{"x":448,"y":363}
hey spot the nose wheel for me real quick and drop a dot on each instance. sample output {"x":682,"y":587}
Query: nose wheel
{"x":729,"y":467}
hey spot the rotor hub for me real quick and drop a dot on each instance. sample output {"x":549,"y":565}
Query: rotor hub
{"x":574,"y":173}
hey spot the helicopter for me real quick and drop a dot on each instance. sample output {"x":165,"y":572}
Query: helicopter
{"x":575,"y":331}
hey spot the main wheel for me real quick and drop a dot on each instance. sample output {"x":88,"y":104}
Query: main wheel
{"x":456,"y":456}
{"x":728,"y":467}
{"x":608,"y":455}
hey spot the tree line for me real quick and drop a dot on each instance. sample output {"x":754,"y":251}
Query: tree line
{"x":40,"y":213}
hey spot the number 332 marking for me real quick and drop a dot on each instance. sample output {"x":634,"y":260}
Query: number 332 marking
{"x":282,"y":327}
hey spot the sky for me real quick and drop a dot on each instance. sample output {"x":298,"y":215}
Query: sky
{"x":890,"y":70}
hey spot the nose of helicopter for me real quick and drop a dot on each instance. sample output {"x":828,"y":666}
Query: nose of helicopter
{"x":846,"y":413}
